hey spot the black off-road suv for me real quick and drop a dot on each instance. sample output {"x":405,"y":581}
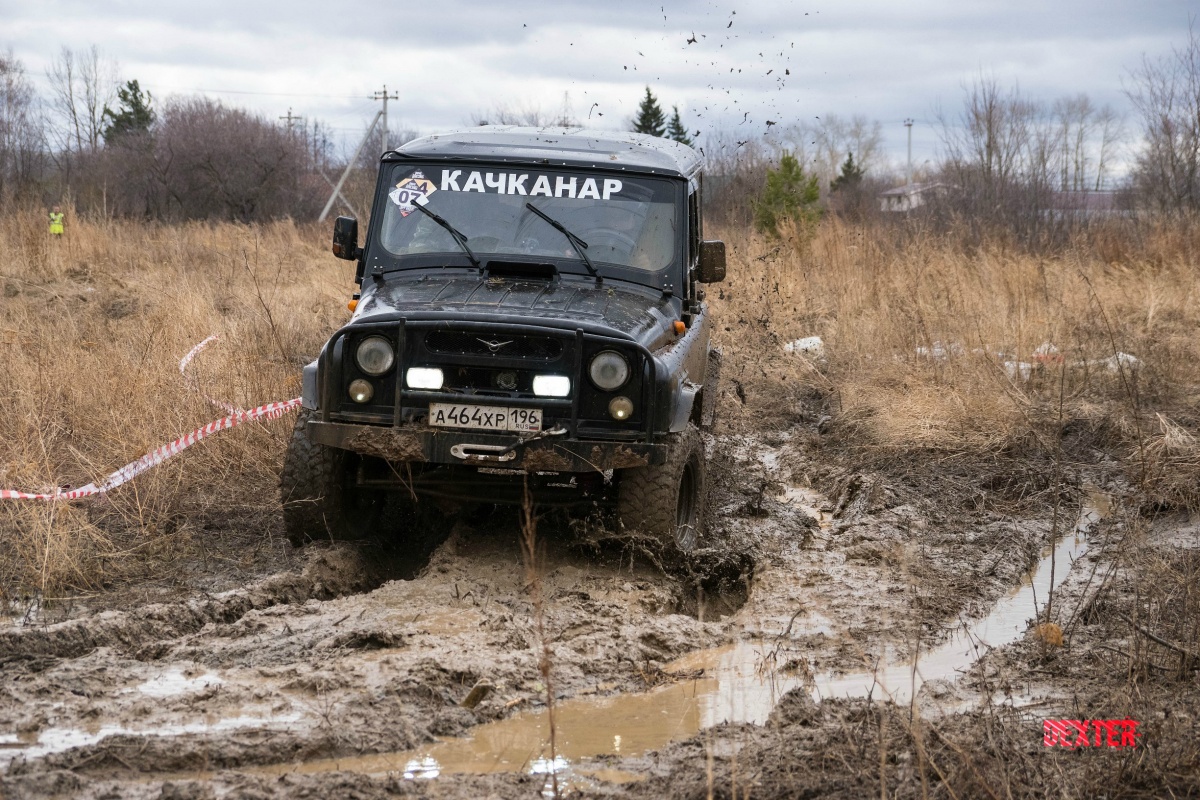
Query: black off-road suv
{"x":529,"y":321}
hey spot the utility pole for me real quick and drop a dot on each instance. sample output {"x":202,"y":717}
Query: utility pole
{"x":291,"y":120}
{"x":908,"y":123}
{"x":379,"y":115}
{"x":384,"y":96}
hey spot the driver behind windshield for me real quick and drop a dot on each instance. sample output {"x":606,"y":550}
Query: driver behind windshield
{"x":632,"y":229}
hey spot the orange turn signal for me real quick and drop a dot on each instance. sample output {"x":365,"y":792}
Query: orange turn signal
{"x":680,"y":327}
{"x":353,"y":304}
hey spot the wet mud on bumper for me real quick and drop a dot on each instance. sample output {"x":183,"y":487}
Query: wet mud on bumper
{"x":472,"y":448}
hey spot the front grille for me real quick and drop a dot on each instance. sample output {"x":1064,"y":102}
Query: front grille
{"x":461,"y":343}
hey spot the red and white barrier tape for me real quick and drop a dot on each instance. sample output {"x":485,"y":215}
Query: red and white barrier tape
{"x":191,"y":383}
{"x":134,"y":468}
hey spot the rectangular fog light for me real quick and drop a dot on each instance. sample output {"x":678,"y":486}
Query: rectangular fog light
{"x":551,"y":385}
{"x":423,"y":378}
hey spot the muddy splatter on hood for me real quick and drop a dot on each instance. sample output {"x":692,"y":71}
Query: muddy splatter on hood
{"x":614,"y":307}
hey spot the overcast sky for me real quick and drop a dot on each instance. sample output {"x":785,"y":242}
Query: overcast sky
{"x":450,"y":61}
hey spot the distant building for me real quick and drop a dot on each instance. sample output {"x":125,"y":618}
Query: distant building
{"x":910,"y":196}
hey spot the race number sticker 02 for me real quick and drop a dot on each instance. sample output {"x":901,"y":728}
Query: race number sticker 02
{"x":414,"y":189}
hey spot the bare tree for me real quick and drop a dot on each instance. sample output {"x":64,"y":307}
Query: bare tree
{"x":81,"y":84}
{"x":531,"y":116}
{"x":737,"y":169}
{"x":20,"y":130}
{"x":1002,"y":154}
{"x":1075,"y":117}
{"x":1165,"y":93}
{"x":992,"y":131}
{"x":207,"y":161}
{"x":1042,"y":162}
{"x":823,"y":144}
{"x":1111,"y":127}
{"x":834,"y":138}
{"x":1087,"y":137}
{"x":528,"y":116}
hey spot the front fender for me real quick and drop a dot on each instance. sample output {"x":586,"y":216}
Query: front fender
{"x":682,"y":412}
{"x":681,"y":368}
{"x":308,"y":383}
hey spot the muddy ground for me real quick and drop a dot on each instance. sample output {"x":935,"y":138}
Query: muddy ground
{"x":342,"y":671}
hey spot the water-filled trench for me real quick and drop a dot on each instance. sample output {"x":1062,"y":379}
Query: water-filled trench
{"x":738,"y":683}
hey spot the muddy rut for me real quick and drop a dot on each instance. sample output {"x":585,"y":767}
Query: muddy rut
{"x":418,"y":673}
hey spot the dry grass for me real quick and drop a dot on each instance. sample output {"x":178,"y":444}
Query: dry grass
{"x":93,"y":327}
{"x":91,"y":332}
{"x":924,"y":339}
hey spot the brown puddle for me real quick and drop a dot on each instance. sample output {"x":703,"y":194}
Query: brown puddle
{"x":621,"y":725}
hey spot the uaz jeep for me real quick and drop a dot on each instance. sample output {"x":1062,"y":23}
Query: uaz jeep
{"x":529,"y":321}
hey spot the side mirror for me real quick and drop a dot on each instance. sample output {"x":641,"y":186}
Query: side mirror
{"x":345,"y":239}
{"x":712,"y":262}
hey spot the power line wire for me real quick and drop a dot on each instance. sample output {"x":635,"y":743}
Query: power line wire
{"x":159,"y":89}
{"x":281,"y":94}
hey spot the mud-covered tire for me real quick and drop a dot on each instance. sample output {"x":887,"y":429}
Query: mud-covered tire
{"x":320,"y":500}
{"x":666,"y":502}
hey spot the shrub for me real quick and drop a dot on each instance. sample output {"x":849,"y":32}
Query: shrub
{"x":788,"y":195}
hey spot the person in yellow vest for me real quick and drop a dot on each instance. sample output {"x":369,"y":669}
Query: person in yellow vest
{"x":56,"y":222}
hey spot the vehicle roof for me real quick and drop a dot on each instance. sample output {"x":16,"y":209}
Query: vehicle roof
{"x":617,"y":150}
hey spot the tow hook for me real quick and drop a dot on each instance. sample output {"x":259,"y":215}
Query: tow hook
{"x":482,"y":452}
{"x":496,"y":452}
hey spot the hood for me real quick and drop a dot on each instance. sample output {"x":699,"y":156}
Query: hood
{"x":638,"y":312}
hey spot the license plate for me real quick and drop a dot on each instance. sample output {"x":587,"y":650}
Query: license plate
{"x":485,"y":418}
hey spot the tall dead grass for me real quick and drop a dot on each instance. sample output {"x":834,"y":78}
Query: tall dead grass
{"x":920,"y":335}
{"x":934,"y":347}
{"x":92,"y":328}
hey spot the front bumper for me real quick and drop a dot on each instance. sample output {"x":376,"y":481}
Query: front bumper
{"x":470,"y":448}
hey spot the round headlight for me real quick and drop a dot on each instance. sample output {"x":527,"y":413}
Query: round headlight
{"x":621,"y":408}
{"x":375,"y":355}
{"x":361,"y":391}
{"x":609,"y":370}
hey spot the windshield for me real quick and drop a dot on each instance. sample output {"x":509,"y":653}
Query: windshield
{"x":624,"y":220}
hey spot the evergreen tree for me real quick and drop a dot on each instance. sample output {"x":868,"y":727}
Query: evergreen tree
{"x":650,"y":117}
{"x":789,"y":194}
{"x":676,"y":131}
{"x":851,"y":175}
{"x":134,"y":114}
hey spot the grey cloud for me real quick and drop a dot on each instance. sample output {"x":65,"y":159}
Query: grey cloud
{"x":880,"y":58}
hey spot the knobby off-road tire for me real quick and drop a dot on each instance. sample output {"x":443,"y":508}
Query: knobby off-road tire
{"x":666,"y":502}
{"x":320,"y":500}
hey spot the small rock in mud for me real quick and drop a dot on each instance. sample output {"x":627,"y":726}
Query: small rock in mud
{"x":795,"y":708}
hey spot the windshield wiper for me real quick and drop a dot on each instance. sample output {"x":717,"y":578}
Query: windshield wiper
{"x":579,"y":244}
{"x":453,"y":231}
